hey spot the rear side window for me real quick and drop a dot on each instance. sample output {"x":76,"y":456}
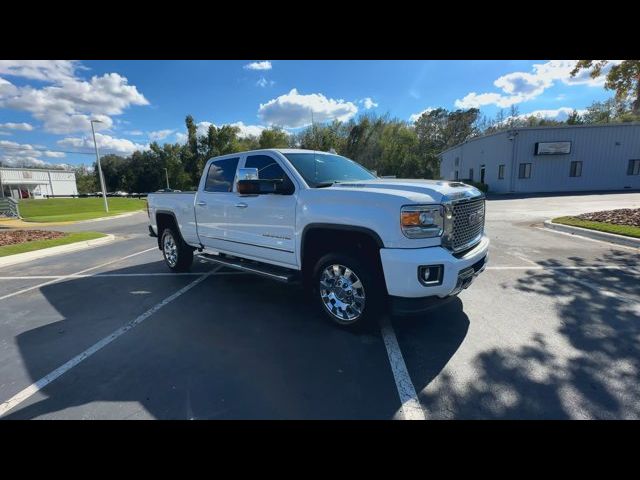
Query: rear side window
{"x":221,"y":174}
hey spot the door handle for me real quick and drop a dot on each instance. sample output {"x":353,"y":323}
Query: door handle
{"x":241,"y":205}
{"x":201,"y":203}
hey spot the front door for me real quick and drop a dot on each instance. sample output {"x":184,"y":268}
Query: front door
{"x":263,"y":225}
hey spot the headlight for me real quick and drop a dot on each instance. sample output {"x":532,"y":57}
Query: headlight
{"x":422,"y":221}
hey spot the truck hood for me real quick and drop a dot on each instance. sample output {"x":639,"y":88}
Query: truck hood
{"x":420,"y":191}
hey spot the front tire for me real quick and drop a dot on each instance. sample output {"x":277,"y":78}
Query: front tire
{"x":177,"y":255}
{"x":348,"y":292}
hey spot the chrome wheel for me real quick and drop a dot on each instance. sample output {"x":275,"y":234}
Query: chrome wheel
{"x":342,"y":293}
{"x":170,"y":249}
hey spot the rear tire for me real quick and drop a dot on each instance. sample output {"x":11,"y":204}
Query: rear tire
{"x":348,"y":292}
{"x":177,"y":255}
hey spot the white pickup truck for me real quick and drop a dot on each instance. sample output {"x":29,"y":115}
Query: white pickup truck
{"x":360,"y":243}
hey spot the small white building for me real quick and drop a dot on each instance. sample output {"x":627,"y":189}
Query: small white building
{"x":19,"y":183}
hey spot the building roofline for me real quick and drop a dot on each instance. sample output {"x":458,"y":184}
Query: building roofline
{"x":37,"y":169}
{"x":549,"y":127}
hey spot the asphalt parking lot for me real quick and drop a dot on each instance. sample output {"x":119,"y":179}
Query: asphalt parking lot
{"x":550,"y":330}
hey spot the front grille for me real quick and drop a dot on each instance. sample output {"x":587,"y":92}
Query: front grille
{"x":465,"y":232}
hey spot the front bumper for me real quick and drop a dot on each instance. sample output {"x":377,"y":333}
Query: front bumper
{"x":400,"y":266}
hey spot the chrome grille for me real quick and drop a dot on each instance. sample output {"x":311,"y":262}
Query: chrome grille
{"x":465,"y":232}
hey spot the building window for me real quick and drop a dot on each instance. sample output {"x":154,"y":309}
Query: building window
{"x":634,"y":167}
{"x":456,"y":177}
{"x":576,"y":169}
{"x":501,"y":172}
{"x":525,"y":170}
{"x":457,"y":161}
{"x":471,"y":174}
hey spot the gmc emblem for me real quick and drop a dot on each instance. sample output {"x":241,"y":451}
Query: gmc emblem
{"x":476,"y":217}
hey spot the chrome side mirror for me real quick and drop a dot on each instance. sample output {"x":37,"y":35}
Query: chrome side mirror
{"x":247,"y":174}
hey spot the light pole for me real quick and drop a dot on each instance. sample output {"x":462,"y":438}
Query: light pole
{"x":166,"y":174}
{"x":104,"y":191}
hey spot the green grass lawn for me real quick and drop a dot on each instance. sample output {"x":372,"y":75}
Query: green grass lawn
{"x":39,"y":244}
{"x":626,"y":230}
{"x":74,"y":209}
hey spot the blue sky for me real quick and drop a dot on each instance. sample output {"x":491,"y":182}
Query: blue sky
{"x":46,"y":105}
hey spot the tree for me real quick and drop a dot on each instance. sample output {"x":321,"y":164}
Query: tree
{"x":86,"y":181}
{"x":624,"y":78}
{"x":273,"y":138}
{"x":575,"y":118}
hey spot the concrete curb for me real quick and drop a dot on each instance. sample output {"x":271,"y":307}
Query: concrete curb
{"x":51,"y":251}
{"x":594,"y":234}
{"x":19,"y":223}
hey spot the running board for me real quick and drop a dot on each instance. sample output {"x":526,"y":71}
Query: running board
{"x":273,"y":272}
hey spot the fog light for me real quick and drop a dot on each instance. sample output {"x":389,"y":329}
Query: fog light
{"x":430,"y":275}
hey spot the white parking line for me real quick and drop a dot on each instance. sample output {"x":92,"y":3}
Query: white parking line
{"x":62,"y":369}
{"x":602,"y":291}
{"x":25,"y":290}
{"x":410,"y":405}
{"x":118,"y":275}
{"x":580,"y":237}
{"x":98,"y":275}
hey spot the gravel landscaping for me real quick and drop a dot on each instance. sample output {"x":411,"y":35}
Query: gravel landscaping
{"x":623,"y":216}
{"x":13,"y":237}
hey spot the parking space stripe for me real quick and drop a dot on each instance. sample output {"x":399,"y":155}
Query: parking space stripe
{"x":118,"y":275}
{"x":410,"y":405}
{"x":602,"y":291}
{"x":25,"y":290}
{"x":62,"y":369}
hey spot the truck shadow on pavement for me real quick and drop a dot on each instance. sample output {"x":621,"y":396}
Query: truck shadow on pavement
{"x":235,"y":346}
{"x":591,"y":369}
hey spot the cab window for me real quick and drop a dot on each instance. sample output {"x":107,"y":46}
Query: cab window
{"x":221,"y":174}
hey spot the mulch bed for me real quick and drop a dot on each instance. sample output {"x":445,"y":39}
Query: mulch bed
{"x":12,"y":237}
{"x":623,"y":216}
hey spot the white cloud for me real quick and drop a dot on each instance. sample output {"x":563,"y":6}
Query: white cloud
{"x":263,"y":82}
{"x":519,"y":87}
{"x":69,"y":103}
{"x":559,"y":114}
{"x":264,"y":65}
{"x":294,"y":110}
{"x":244,"y":130}
{"x":368,"y":103}
{"x":475,"y":100}
{"x":27,"y":127}
{"x":26,"y":155}
{"x":106,"y":143}
{"x":181,"y":138}
{"x":160,"y":134}
{"x":43,"y":70}
{"x":416,"y":116}
{"x":136,"y":133}
{"x":50,"y":154}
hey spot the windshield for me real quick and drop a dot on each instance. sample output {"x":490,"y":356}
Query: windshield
{"x":320,"y":169}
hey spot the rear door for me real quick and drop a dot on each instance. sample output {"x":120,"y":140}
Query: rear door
{"x":263,"y":225}
{"x":215,"y":195}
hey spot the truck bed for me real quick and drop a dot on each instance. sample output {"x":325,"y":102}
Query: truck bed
{"x":181,"y":205}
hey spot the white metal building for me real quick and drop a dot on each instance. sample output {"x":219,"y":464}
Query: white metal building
{"x":20,"y":183}
{"x":550,"y":159}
